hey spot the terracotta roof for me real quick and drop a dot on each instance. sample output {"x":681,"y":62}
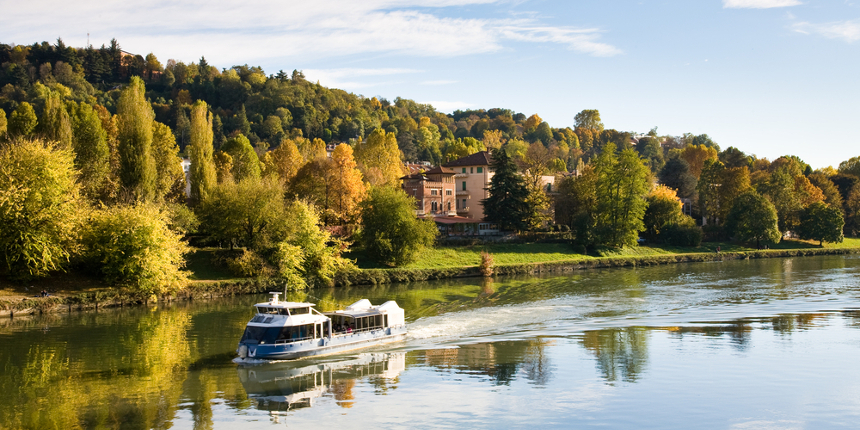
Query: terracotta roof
{"x":440,"y":170}
{"x":482,"y":158}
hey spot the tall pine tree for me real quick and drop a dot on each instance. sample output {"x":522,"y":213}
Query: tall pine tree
{"x":506,"y":205}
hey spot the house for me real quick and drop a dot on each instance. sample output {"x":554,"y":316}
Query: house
{"x":433,"y":191}
{"x":472,"y":176}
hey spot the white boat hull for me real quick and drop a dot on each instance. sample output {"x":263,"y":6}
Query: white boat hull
{"x":340,"y":342}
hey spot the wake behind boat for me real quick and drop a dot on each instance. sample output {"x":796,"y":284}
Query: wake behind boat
{"x":288,"y":330}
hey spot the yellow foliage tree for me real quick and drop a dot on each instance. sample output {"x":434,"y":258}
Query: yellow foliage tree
{"x":379,"y":158}
{"x":696,"y":155}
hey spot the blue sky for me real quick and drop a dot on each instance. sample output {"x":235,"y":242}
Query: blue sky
{"x":771,"y":77}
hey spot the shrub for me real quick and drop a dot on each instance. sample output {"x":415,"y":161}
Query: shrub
{"x":133,"y":247}
{"x":682,"y":235}
{"x":390,"y":231}
{"x":249,"y":265}
{"x":486,"y":264}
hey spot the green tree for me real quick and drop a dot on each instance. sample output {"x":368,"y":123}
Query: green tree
{"x":676,"y":175}
{"x":23,"y":121}
{"x":92,"y":155}
{"x":390,"y":232}
{"x":55,"y":124}
{"x":132,"y":246}
{"x":507,"y":204}
{"x":753,"y":218}
{"x":203,"y":176}
{"x":850,"y":166}
{"x":3,"y":124}
{"x":246,"y":213}
{"x":649,"y":148}
{"x":39,"y":207}
{"x":170,"y":182}
{"x":320,"y":261}
{"x":822,"y":223}
{"x":576,"y":205}
{"x":137,"y":172}
{"x":831,"y":193}
{"x":246,"y":164}
{"x":588,"y":119}
{"x":622,"y":183}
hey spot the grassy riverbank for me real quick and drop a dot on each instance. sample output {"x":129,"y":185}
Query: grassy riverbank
{"x":208,"y":279}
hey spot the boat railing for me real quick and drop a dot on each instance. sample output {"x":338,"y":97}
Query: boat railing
{"x":298,"y":339}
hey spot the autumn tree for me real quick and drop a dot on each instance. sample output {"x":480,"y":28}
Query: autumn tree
{"x":137,"y":167}
{"x":850,"y":166}
{"x":203,"y":175}
{"x":170,"y":182}
{"x":676,"y":175}
{"x":92,"y":154}
{"x":821,"y":222}
{"x":39,"y":207}
{"x":347,"y":188}
{"x":379,"y":158}
{"x":622,"y":182}
{"x":664,"y":209}
{"x":3,"y":124}
{"x":718,"y":187}
{"x":696,"y":155}
{"x":284,"y":161}
{"x":831,"y":193}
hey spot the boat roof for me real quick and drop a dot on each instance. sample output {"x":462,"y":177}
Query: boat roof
{"x":285,"y":305}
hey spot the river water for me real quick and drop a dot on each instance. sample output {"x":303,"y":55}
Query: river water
{"x":755,"y":344}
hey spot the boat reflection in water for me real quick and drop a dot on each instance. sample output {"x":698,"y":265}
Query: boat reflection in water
{"x":281,"y":387}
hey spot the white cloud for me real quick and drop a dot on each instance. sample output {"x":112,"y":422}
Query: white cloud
{"x":230,"y":32}
{"x":439,"y":82}
{"x":759,"y":4}
{"x":339,"y":78}
{"x":848,"y":31}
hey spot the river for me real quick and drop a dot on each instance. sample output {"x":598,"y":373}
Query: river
{"x":741,"y":344}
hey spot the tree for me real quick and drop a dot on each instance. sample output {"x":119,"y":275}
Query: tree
{"x":588,"y":119}
{"x":55,"y":124}
{"x":203,"y":176}
{"x":247,"y":213}
{"x":664,"y":209}
{"x":822,"y":223}
{"x":283,"y":162}
{"x":506,"y":205}
{"x":753,"y":218}
{"x":622,"y":183}
{"x":390,"y":232}
{"x":649,"y":148}
{"x":137,"y":171}
{"x":696,"y":155}
{"x":246,"y":164}
{"x":347,"y":188}
{"x":39,"y":207}
{"x":3,"y":124}
{"x":718,"y":188}
{"x":676,"y":175}
{"x":576,"y":205}
{"x":23,"y":121}
{"x":831,"y":193}
{"x":850,"y":166}
{"x":132,"y":246}
{"x":170,"y":177}
{"x":379,"y":158}
{"x":92,"y":154}
{"x":319,"y":261}
{"x":733,"y":157}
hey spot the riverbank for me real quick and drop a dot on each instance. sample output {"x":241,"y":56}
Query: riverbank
{"x":79,"y":292}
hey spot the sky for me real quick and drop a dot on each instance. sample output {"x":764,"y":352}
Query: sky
{"x":770,"y":77}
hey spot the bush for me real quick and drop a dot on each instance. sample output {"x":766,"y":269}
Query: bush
{"x":133,"y":247}
{"x":486,"y":266}
{"x":682,"y":235}
{"x":390,"y":231}
{"x":249,"y":265}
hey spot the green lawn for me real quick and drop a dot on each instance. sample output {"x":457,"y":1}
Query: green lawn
{"x":504,"y":254}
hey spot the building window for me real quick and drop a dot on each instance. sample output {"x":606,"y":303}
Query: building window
{"x":471,"y":170}
{"x":464,"y":185}
{"x":449,"y":206}
{"x":464,"y":204}
{"x":480,"y":170}
{"x":434,"y":206}
{"x":464,"y":170}
{"x":448,"y":192}
{"x":433,"y":192}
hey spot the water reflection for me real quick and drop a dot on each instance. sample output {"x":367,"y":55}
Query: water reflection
{"x":498,"y":362}
{"x":279,"y":388}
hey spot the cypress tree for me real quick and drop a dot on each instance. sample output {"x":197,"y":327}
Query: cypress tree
{"x":203,"y":176}
{"x":506,"y":205}
{"x":137,"y":172}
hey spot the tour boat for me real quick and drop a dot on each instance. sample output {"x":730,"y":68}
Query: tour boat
{"x":288,"y":330}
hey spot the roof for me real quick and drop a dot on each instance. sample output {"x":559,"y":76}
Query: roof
{"x":432,"y":171}
{"x":482,"y":158}
{"x":286,"y":305}
{"x":454,"y":220}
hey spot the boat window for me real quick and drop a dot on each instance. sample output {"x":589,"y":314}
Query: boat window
{"x":267,"y":310}
{"x":385,"y":320}
{"x":300,"y":311}
{"x":253,"y":333}
{"x":294,"y":333}
{"x":283,"y":311}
